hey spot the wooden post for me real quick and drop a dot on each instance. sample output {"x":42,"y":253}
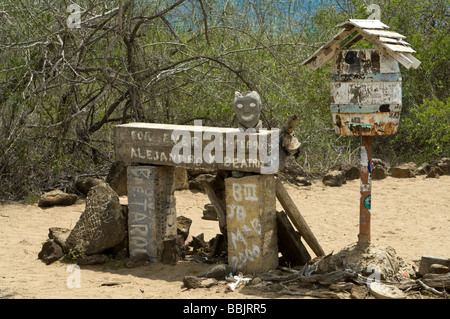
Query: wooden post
{"x":297,"y":218}
{"x":366,"y":190}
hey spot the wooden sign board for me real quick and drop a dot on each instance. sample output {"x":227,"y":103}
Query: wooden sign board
{"x":198,"y":147}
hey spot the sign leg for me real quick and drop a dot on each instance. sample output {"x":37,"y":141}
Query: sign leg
{"x":366,"y":190}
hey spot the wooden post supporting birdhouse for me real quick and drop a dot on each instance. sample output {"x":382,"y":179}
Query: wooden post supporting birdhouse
{"x":366,"y":94}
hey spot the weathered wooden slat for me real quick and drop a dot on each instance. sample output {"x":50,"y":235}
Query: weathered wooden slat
{"x":389,"y":40}
{"x":322,"y":55}
{"x":415,"y":62}
{"x":399,"y":48}
{"x":297,"y":219}
{"x":364,"y":24}
{"x":383,"y":33}
{"x":289,"y":242}
{"x":198,"y":147}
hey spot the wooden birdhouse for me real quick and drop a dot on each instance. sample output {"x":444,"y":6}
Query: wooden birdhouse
{"x":366,"y":92}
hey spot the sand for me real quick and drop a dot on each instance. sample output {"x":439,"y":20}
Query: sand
{"x":411,"y":215}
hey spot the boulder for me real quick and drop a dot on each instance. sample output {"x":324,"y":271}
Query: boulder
{"x":379,"y":172}
{"x":423,"y":169}
{"x":218,"y":272}
{"x":183,"y":226}
{"x":50,"y":252}
{"x":351,"y":171}
{"x":57,"y":198}
{"x":209,"y":212}
{"x":193,"y":282}
{"x":117,"y":178}
{"x":405,"y":170}
{"x":173,"y":249}
{"x":444,"y":165}
{"x":101,"y":226}
{"x":334,"y":178}
{"x":198,"y":181}
{"x":84,"y":184}
{"x":59,"y":236}
{"x":434,"y":172}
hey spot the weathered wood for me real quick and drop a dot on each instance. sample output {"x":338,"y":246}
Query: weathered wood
{"x":297,"y":219}
{"x":289,"y":243}
{"x":330,"y":278}
{"x":426,"y":261}
{"x":389,"y":42}
{"x":364,"y":24}
{"x":198,"y":147}
{"x":221,"y":211}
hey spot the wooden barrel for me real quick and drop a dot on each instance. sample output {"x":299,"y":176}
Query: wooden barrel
{"x":366,"y":93}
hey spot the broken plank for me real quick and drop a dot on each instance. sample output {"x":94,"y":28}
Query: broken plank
{"x":426,"y":261}
{"x":364,"y":24}
{"x":297,"y":219}
{"x":289,"y":243}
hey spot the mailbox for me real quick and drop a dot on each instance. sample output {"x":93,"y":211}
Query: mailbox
{"x":366,"y":92}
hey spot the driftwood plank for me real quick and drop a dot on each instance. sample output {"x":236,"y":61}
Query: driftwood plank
{"x":289,"y":243}
{"x":297,"y":218}
{"x":426,"y":261}
{"x":221,"y":212}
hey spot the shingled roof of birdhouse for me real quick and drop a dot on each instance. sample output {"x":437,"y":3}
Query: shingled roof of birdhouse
{"x":353,"y":30}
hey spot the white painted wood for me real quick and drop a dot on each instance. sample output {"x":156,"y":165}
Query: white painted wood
{"x":364,"y":24}
{"x":383,"y":33}
{"x":399,"y":48}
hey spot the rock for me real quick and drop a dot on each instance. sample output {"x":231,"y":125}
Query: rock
{"x":84,"y":184}
{"x":50,"y":252}
{"x":209,"y":213}
{"x":423,"y":169}
{"x":101,"y":226}
{"x":57,"y":198}
{"x":219,"y":272}
{"x":439,"y":269}
{"x":193,"y":282}
{"x":334,"y":178}
{"x":405,"y":170}
{"x":434,"y":172}
{"x":359,"y":292}
{"x":117,"y":178}
{"x":198,"y":242}
{"x":59,"y":236}
{"x":173,"y":250}
{"x":181,"y":178}
{"x":198,"y":181}
{"x":351,"y":171}
{"x":379,"y":172}
{"x":183,"y":226}
{"x":295,"y":174}
{"x":444,"y":165}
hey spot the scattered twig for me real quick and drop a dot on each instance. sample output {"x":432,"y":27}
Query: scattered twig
{"x":428,"y":288}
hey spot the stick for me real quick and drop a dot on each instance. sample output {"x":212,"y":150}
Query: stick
{"x":430,"y":289}
{"x":297,"y":218}
{"x":221,"y":212}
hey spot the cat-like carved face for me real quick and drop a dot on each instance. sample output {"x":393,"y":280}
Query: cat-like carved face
{"x":247,"y":107}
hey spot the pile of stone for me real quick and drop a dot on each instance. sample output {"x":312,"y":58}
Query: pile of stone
{"x":339,"y":174}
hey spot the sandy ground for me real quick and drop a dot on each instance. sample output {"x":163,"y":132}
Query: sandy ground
{"x":410,"y":215}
